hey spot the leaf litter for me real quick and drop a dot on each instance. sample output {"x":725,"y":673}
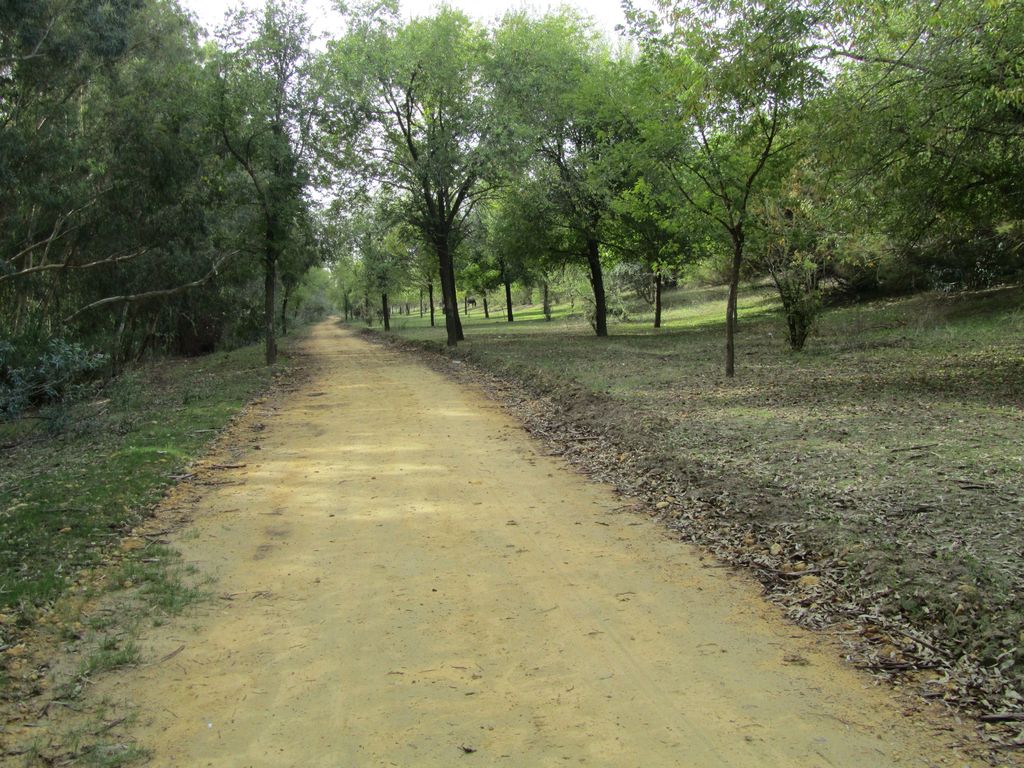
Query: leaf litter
{"x":922,"y":594}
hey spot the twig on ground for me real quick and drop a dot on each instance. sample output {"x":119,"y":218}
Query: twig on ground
{"x":109,"y":726}
{"x":1003,"y":717}
{"x":172,"y":654}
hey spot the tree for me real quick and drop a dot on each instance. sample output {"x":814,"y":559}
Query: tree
{"x":728,"y":80}
{"x":409,"y":108}
{"x":104,"y":215}
{"x":260,"y":114}
{"x":306,"y":248}
{"x":644,"y":228}
{"x":480,"y":271}
{"x":566,"y":95}
{"x":521,"y":241}
{"x":922,"y":129}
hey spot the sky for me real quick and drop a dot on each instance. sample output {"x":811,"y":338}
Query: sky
{"x":607,"y":13}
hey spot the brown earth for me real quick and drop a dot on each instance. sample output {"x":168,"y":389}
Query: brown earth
{"x":405,"y":579}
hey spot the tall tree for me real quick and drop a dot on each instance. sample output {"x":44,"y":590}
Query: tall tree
{"x":410,"y":107}
{"x":728,"y":79}
{"x":566,"y":96}
{"x":645,"y":229}
{"x":262,"y":117}
{"x":103,"y":215}
{"x":923,"y":129}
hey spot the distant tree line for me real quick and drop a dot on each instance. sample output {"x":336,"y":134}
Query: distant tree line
{"x":163,"y":193}
{"x":859,"y":147}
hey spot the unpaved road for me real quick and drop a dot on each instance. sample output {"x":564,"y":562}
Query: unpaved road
{"x":411,"y":579}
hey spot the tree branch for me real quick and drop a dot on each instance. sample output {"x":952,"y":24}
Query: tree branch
{"x":130,"y":298}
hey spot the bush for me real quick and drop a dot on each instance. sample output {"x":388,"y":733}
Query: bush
{"x":57,"y":375}
{"x":801,"y":301}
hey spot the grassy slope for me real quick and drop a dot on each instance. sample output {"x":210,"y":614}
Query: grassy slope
{"x":66,"y":497}
{"x":894,"y":443}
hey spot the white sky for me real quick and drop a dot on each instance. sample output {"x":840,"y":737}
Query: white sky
{"x":607,"y":13}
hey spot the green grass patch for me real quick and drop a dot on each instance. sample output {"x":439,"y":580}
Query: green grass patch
{"x":112,"y":652}
{"x":65,"y":498}
{"x":162,"y":581}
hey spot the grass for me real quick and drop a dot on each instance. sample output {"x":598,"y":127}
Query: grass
{"x":72,"y":484}
{"x":112,"y":652}
{"x":162,"y":581}
{"x":894,"y":443}
{"x":66,"y":498}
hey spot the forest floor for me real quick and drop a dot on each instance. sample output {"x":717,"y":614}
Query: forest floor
{"x":886,"y":461}
{"x":401,"y":576}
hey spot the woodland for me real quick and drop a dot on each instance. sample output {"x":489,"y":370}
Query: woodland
{"x":831,"y":174}
{"x":171,"y":193}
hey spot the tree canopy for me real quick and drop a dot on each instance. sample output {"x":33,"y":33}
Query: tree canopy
{"x":163,"y":193}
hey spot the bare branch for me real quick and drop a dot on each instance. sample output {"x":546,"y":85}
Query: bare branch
{"x":115,"y":259}
{"x":152,"y":294}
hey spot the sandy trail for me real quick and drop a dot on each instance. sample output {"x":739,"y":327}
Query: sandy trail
{"x":411,"y":577}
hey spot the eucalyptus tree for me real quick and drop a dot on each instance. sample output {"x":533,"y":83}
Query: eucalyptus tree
{"x":728,"y":80}
{"x":567,"y":95}
{"x":50,"y":54}
{"x":261,"y":112}
{"x":409,"y":107}
{"x":103,"y":161}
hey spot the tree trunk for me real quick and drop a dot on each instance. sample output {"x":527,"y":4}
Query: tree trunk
{"x":269,"y":286}
{"x":430,"y":290}
{"x":149,"y":338}
{"x":448,"y":297}
{"x":597,"y":283}
{"x":657,"y":299}
{"x":455,"y":303}
{"x":115,"y":353}
{"x":508,"y":299}
{"x":368,"y":314}
{"x":421,"y":301}
{"x":487,"y":314}
{"x":547,"y":303}
{"x":730,"y":309}
{"x":385,"y":311}
{"x":465,"y":300}
{"x":284,"y":310}
{"x":348,"y":308}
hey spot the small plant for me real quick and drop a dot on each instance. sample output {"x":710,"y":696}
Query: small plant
{"x":58,"y":376}
{"x":111,"y":654}
{"x":163,"y":581}
{"x":797,"y":284}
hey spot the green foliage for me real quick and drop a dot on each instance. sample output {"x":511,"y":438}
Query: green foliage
{"x":409,"y":107}
{"x":59,"y":375}
{"x":569,"y":99}
{"x":261,"y":83}
{"x":922,"y":128}
{"x":119,"y":213}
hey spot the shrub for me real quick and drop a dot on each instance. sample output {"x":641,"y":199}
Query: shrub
{"x":59,"y":374}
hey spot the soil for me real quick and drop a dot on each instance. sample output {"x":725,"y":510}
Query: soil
{"x":405,"y":578}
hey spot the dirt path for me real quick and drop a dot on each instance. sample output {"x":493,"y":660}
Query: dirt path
{"x":411,"y":580}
